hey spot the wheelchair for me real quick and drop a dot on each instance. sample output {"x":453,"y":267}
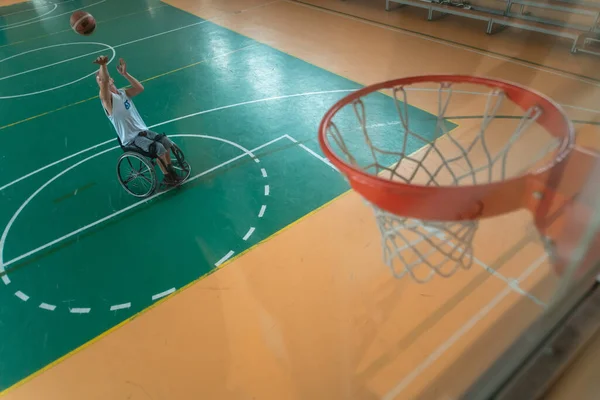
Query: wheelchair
{"x":136,"y":169}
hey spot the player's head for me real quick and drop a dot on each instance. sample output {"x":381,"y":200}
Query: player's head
{"x":111,"y":83}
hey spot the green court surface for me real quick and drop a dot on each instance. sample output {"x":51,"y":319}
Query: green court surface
{"x":80,"y":254}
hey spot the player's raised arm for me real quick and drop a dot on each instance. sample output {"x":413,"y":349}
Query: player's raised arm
{"x":103,"y":79}
{"x":136,"y":87}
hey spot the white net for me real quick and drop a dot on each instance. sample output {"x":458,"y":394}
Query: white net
{"x":470,"y":135}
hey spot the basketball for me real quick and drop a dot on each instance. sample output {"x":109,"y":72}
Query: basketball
{"x":83,"y":23}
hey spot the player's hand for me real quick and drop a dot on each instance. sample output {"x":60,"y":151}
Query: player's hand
{"x":102,"y":60}
{"x":122,"y":67}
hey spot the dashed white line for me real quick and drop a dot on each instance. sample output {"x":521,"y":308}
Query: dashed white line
{"x":21,"y":295}
{"x":225,"y":258}
{"x":249,"y":233}
{"x":51,"y":307}
{"x":79,"y":310}
{"x":46,"y":306}
{"x":120,"y":306}
{"x":256,"y":160}
{"x":163,"y":294}
{"x":245,"y":153}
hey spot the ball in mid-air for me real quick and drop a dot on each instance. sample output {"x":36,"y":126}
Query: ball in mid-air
{"x":83,"y":23}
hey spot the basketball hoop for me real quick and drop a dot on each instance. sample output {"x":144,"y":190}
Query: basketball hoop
{"x":519,"y":153}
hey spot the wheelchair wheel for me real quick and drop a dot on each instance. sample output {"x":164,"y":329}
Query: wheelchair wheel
{"x":136,"y":174}
{"x":182,"y":168}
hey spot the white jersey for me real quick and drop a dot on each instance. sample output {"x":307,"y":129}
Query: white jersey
{"x":125,"y":117}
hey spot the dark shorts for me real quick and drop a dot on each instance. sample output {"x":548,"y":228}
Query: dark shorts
{"x":145,"y":140}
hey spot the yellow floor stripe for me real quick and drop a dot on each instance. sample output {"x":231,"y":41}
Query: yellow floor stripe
{"x":149,"y":308}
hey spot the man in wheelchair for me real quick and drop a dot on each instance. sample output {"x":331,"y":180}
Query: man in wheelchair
{"x":132,"y":132}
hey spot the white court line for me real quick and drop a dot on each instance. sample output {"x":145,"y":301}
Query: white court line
{"x":267,"y":190}
{"x":99,"y":51}
{"x":163,"y":294}
{"x":245,"y":103}
{"x":249,"y":233}
{"x":263,"y":172}
{"x":95,"y":52}
{"x":162,"y":33}
{"x":55,"y":63}
{"x":80,"y":310}
{"x":46,"y":306}
{"x":120,"y":306}
{"x":319,"y":157}
{"x":581,"y":108}
{"x":453,"y":45}
{"x":197,"y":23}
{"x":3,"y":238}
{"x":52,"y":17}
{"x":118,"y":45}
{"x":27,"y":20}
{"x":5,"y":278}
{"x":225,"y":258}
{"x":21,"y":295}
{"x":37,"y":171}
{"x":32,"y":9}
{"x":186,"y":26}
{"x":261,"y":213}
{"x":65,"y":84}
{"x":3,"y":264}
{"x":323,"y":159}
{"x":512,"y":283}
{"x":481,"y":314}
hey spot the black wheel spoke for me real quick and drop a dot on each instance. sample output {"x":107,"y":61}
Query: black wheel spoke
{"x":141,"y":181}
{"x":146,"y":179}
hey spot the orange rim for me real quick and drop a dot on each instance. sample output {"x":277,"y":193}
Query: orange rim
{"x":454,"y":203}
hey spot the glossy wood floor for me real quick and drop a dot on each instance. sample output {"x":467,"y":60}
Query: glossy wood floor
{"x":313,"y":313}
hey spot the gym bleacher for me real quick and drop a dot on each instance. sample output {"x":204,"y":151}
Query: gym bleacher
{"x":575,"y":20}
